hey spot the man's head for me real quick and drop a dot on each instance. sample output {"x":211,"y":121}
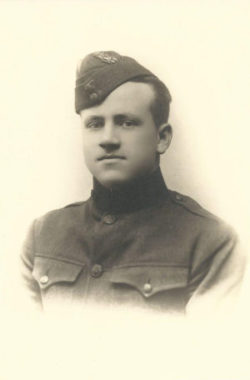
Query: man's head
{"x":124,"y":110}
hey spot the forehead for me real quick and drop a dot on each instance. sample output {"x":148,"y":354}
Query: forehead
{"x":130,"y":97}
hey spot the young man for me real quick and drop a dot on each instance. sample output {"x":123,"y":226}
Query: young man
{"x":134,"y":242}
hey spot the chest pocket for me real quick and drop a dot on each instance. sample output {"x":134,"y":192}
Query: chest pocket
{"x":151,"y":280}
{"x":48,"y":272}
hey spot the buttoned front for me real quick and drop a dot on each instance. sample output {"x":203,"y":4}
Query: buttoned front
{"x":109,"y":219}
{"x":96,"y":270}
{"x":44,"y":280}
{"x":169,"y":255}
{"x":147,"y":288}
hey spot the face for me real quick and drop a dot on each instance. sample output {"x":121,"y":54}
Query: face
{"x":120,"y":140}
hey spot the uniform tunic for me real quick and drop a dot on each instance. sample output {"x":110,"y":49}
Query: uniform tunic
{"x":144,"y":246}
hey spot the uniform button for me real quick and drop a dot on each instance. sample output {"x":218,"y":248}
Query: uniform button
{"x":96,"y":270}
{"x":178,"y":197}
{"x":147,"y":288}
{"x":109,"y":219}
{"x":44,"y":280}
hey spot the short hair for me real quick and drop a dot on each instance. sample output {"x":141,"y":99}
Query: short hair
{"x":161,"y":104}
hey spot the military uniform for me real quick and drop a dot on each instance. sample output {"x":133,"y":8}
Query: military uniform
{"x":147,"y":247}
{"x":142,"y":245}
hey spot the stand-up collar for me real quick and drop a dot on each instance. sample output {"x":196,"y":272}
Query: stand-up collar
{"x":143,"y":193}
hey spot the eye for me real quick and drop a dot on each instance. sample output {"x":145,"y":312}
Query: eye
{"x":128,"y":123}
{"x":94,"y":124}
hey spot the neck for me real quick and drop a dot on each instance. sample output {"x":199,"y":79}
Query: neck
{"x":144,"y":192}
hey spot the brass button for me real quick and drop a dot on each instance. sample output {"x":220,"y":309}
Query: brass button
{"x":147,"y":288}
{"x":44,"y":280}
{"x":96,"y":270}
{"x":109,"y":219}
{"x":178,"y":197}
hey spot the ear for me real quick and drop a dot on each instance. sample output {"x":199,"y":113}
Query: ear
{"x":165,"y":134}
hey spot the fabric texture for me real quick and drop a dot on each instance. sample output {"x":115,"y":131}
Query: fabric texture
{"x":99,"y":73}
{"x":160,"y":251}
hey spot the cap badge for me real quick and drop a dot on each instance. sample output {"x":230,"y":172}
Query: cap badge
{"x":106,"y":57}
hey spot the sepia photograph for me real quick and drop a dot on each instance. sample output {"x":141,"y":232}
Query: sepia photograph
{"x":125,"y":185}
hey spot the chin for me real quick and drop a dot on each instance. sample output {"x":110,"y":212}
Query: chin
{"x":111,"y":181}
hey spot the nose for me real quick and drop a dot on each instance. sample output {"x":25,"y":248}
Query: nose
{"x":110,"y":140}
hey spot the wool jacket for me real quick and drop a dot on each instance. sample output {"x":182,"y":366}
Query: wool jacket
{"x":145,"y":246}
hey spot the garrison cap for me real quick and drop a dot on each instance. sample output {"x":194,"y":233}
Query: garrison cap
{"x":99,"y":73}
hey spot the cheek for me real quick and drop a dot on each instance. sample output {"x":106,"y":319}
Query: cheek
{"x":145,"y":144}
{"x":88,"y":156}
{"x":88,"y":145}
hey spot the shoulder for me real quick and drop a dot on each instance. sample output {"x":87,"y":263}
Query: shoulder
{"x":61,"y":216}
{"x":190,"y":205}
{"x":208,"y":236}
{"x":199,"y":219}
{"x":65,"y":209}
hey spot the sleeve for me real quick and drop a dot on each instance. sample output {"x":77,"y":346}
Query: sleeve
{"x":30,"y":285}
{"x":216,"y":280}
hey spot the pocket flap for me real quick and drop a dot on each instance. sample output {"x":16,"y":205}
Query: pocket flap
{"x":151,"y":280}
{"x":49,"y":271}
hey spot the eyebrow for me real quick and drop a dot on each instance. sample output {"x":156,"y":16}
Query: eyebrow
{"x":121,"y":117}
{"x":117,"y":118}
{"x":93,"y":118}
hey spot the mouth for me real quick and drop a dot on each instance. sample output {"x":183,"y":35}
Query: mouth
{"x":111,"y":157}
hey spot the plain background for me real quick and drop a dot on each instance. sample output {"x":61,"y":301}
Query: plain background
{"x":200,"y":49}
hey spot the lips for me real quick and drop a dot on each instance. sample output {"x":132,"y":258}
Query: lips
{"x":110,"y":157}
